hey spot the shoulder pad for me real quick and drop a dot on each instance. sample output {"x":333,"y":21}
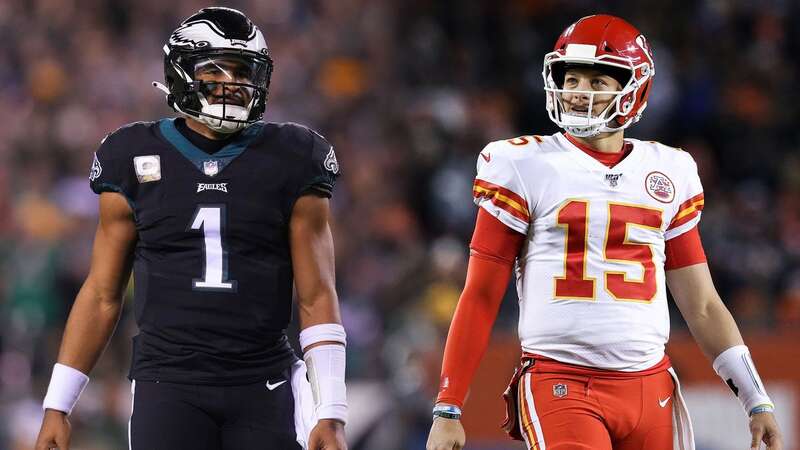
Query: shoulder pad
{"x":289,"y":128}
{"x":124,"y":134}
{"x":674,"y":152}
{"x":532,"y":140}
{"x":665,"y":147}
{"x":129,"y":128}
{"x":514,"y":148}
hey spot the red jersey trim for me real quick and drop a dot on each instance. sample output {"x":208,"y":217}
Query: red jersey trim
{"x":503,"y":198}
{"x":688,"y":210}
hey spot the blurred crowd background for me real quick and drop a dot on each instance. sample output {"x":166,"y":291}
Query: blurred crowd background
{"x":408,"y":92}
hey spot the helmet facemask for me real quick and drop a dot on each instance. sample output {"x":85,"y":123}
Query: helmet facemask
{"x":225,"y":90}
{"x":619,"y":113}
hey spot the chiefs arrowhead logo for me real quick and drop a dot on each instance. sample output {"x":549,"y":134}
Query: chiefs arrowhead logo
{"x":486,"y":156}
{"x":660,"y":187}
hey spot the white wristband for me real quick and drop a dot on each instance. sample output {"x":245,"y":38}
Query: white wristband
{"x":322,"y":333}
{"x":736,"y":368}
{"x":326,"y":368}
{"x":66,"y":385}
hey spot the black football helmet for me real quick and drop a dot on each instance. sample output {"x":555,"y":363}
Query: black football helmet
{"x":217,"y":69}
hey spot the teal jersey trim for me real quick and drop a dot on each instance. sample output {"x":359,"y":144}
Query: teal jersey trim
{"x":198,"y":157}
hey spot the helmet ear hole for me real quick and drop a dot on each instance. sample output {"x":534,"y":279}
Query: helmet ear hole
{"x":185,"y":101}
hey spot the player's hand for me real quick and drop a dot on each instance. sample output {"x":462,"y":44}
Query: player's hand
{"x":446,"y":434}
{"x":55,"y":431}
{"x":327,"y":435}
{"x":764,"y":427}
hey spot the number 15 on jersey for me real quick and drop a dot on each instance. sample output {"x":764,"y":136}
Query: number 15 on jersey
{"x":573,"y":217}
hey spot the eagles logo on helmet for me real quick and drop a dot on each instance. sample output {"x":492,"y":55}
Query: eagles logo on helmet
{"x":225,"y":41}
{"x":616,"y":48}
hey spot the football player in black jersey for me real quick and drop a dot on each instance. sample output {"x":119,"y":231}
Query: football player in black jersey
{"x":217,"y":214}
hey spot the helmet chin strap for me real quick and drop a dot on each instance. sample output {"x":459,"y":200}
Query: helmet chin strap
{"x":581,"y":126}
{"x":578,"y":126}
{"x":218,"y":113}
{"x":217,"y":123}
{"x":584,"y":126}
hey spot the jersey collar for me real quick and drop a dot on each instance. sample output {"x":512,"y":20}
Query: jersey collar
{"x":607,"y":159}
{"x":202,"y":160}
{"x":594,"y":160}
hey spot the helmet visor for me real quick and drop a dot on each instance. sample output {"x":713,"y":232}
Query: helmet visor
{"x":229,"y":79}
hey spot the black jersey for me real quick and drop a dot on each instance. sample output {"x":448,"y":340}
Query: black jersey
{"x":212,"y":269}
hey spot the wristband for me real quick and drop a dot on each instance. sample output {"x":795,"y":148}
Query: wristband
{"x":322,"y":333}
{"x":761,"y":409}
{"x":66,"y":386}
{"x":326,"y":370}
{"x":447,"y":411}
{"x":736,"y":368}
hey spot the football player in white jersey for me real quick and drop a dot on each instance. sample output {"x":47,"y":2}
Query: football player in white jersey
{"x":596,"y":227}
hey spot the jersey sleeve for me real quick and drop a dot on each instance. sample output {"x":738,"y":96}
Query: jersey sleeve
{"x":323,"y":168}
{"x":499,"y":190}
{"x":108,"y":171}
{"x":691,"y":203}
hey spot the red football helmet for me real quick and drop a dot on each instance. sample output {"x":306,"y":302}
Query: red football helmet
{"x":613,"y":46}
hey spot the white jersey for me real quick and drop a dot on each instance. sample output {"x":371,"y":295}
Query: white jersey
{"x":590,"y":276}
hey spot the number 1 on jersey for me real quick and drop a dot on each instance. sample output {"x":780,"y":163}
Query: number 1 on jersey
{"x":574,"y":218}
{"x":211,"y":219}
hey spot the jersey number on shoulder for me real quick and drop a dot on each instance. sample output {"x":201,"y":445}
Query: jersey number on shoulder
{"x":211,"y":219}
{"x":573,"y":216}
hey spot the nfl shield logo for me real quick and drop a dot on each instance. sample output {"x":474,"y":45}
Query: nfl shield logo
{"x":559,"y":390}
{"x":613,"y":179}
{"x":210,"y":168}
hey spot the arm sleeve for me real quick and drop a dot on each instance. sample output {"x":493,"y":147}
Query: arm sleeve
{"x":684,"y":251}
{"x":323,"y":168}
{"x":493,"y":250}
{"x":499,"y":189}
{"x":690,"y":206}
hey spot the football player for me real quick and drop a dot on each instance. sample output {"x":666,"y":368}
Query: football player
{"x":217,"y":214}
{"x":596,"y":227}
